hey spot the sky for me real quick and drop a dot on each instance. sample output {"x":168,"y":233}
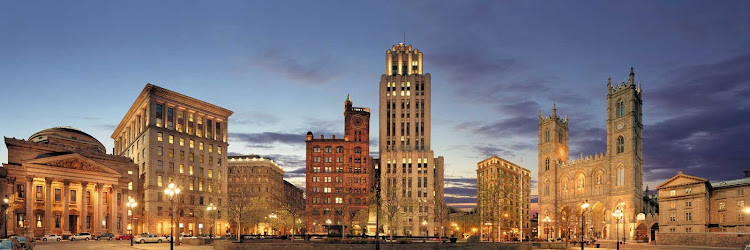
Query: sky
{"x":285,"y":68}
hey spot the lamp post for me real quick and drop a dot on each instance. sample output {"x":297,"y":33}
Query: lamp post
{"x":131,"y":206}
{"x":213,"y":208}
{"x":617,"y":215}
{"x":546,"y":221}
{"x":424,"y":224}
{"x":172,"y":191}
{"x":506,"y":223}
{"x":5,"y":217}
{"x":584,"y":206}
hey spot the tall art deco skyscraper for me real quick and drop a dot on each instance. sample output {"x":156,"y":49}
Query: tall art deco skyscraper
{"x":411,"y":178}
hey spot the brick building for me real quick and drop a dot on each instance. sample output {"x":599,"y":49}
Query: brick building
{"x":338,"y":174}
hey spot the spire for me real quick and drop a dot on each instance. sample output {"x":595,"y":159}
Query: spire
{"x":609,"y":81}
{"x":348,"y":99}
{"x":554,"y":110}
{"x":631,"y":79}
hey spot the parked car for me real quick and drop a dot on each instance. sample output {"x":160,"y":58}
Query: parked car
{"x":52,"y":237}
{"x":105,"y":236}
{"x":143,"y":238}
{"x":124,"y":237}
{"x":81,"y":236}
{"x":26,"y":242}
{"x":10,"y":244}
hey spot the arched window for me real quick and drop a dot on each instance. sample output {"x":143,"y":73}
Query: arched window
{"x":546,"y":164}
{"x":546,"y":135}
{"x":328,"y":149}
{"x":316,"y":149}
{"x":620,"y":108}
{"x":546,"y":188}
{"x":357,"y":150}
{"x":565,"y":184}
{"x":620,"y":175}
{"x":598,"y":177}
{"x":581,"y":181}
{"x":339,"y":149}
{"x":620,"y":144}
{"x":559,"y":137}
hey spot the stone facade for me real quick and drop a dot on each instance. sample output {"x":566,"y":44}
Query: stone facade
{"x":62,"y":181}
{"x":412,"y":178}
{"x":338,"y":175}
{"x":691,"y":204}
{"x":259,"y":181}
{"x":177,"y":139}
{"x":503,"y":199}
{"x":607,"y":181}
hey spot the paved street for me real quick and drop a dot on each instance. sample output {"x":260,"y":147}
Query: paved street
{"x":115,"y":244}
{"x":660,"y":247}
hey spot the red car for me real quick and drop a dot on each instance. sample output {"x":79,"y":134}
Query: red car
{"x":124,"y":237}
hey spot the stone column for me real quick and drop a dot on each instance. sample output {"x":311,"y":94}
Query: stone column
{"x":48,"y":221}
{"x":124,"y":212}
{"x":84,"y":213}
{"x":98,"y":209}
{"x":30,"y":197}
{"x":112,"y":223}
{"x":66,"y":207}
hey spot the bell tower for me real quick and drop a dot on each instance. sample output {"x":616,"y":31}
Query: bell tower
{"x":356,"y":122}
{"x":553,"y":151}
{"x":625,"y":134}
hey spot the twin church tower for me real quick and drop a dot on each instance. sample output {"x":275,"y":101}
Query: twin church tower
{"x":340,"y":172}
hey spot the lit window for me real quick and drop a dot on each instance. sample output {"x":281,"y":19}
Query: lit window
{"x":672,"y":192}
{"x":621,"y":176}
{"x":339,"y":200}
{"x":210,"y":148}
{"x":158,"y":180}
{"x":171,"y":139}
{"x":182,"y":141}
{"x":688,"y":190}
{"x":190,"y":170}
{"x":200,"y":146}
{"x":192,"y":143}
{"x":620,"y":144}
{"x":218,"y":150}
{"x":130,"y":185}
{"x":159,"y":136}
{"x":182,"y":169}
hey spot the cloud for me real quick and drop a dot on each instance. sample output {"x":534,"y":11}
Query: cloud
{"x":705,"y":119}
{"x":108,"y":127}
{"x":254,"y":118}
{"x":524,"y":126}
{"x":263,"y":138}
{"x":307,"y":70}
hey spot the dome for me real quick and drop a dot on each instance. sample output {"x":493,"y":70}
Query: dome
{"x":69,"y":134}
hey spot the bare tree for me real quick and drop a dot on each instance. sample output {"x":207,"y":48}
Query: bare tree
{"x":495,"y":194}
{"x":360,"y":218}
{"x":289,"y":207}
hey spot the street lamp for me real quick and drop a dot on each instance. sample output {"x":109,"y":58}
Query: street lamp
{"x":172,"y":191}
{"x":210,"y":208}
{"x":584,"y":206}
{"x":617,"y":215}
{"x":5,"y":216}
{"x":131,"y":205}
{"x":424,"y":224}
{"x":272,"y":216}
{"x":546,"y":220}
{"x":506,"y":223}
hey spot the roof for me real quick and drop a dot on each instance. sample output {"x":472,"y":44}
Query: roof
{"x":730,"y":183}
{"x":66,"y":133}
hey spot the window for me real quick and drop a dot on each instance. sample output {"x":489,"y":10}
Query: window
{"x":357,"y":150}
{"x":327,"y":179}
{"x":58,"y":194}
{"x":210,"y":173}
{"x":689,"y":216}
{"x":182,"y":141}
{"x":218,"y":150}
{"x":130,"y":185}
{"x":339,"y":200}
{"x":20,"y":190}
{"x":327,"y":190}
{"x":73,"y":196}
{"x":339,"y":149}
{"x":200,"y":145}
{"x":546,"y":188}
{"x":688,"y":229}
{"x":688,"y":190}
{"x":159,"y":114}
{"x":620,"y":108}
{"x":672,"y":192}
{"x":672,"y":229}
{"x":159,"y":180}
{"x":39,"y":194}
{"x":620,"y":176}
{"x":171,"y":139}
{"x":546,"y":135}
{"x":740,"y":204}
{"x":722,"y":206}
{"x":620,"y":144}
{"x":672,"y":204}
{"x":182,"y":168}
{"x":190,"y":170}
{"x":546,"y":164}
{"x":671,"y":217}
{"x":57,"y":221}
{"x":159,"y":151}
{"x":160,"y":165}
{"x":39,"y":219}
{"x":19,"y":219}
{"x":159,"y":136}
{"x":192,"y":143}
{"x":559,"y":137}
{"x":688,"y":204}
{"x":741,"y":217}
{"x":316,"y":149}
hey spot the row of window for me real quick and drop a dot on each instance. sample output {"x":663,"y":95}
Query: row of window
{"x":339,"y":149}
{"x":160,"y":137}
{"x":619,"y":181}
{"x":57,"y":194}
{"x":338,"y":179}
{"x":339,"y":190}
{"x":338,"y":200}
{"x":201,"y":173}
{"x":339,"y":170}
{"x":194,"y":123}
{"x":39,"y":221}
{"x":340,"y":160}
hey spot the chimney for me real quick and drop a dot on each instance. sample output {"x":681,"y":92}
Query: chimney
{"x":747,"y":173}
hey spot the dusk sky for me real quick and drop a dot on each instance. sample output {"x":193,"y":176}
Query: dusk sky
{"x":286,"y":67}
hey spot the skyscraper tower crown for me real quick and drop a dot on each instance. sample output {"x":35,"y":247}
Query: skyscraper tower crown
{"x":401,"y":59}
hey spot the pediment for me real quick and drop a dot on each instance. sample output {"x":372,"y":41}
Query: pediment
{"x":73,"y":161}
{"x":682,"y":179}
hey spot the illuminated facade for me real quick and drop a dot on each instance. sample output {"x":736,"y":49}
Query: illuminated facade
{"x":411,"y":176}
{"x":503,"y":199}
{"x":338,"y":175}
{"x":607,"y":181}
{"x":174,"y":138}
{"x":62,"y":181}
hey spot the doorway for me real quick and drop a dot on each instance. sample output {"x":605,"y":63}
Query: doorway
{"x":73,"y":224}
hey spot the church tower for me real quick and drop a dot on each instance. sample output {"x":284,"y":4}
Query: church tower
{"x":356,"y":122}
{"x":625,"y":136}
{"x":553,"y":152}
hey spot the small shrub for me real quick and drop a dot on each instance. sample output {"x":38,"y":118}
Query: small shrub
{"x":403,"y":241}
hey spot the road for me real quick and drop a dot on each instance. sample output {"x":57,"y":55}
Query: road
{"x":115,"y":244}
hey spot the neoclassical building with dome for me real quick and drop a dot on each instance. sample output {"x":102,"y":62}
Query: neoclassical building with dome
{"x":61,"y":181}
